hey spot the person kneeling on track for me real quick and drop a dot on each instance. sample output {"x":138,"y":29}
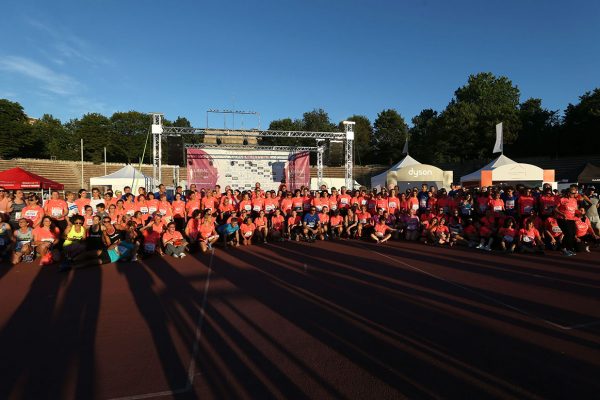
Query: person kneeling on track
{"x":294,"y":227}
{"x":336,"y":225}
{"x":507,"y":236}
{"x":277,"y":224}
{"x":310,"y":226}
{"x":117,"y":249}
{"x":230,"y":232}
{"x":45,"y":239}
{"x":173,"y":241}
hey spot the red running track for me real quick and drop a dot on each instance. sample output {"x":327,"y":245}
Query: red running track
{"x":347,"y":320}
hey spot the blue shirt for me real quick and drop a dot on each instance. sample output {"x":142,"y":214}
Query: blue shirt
{"x":228,"y":229}
{"x":311,"y":220}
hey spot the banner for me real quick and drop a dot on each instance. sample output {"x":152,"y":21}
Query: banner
{"x":498,"y":146}
{"x":242,"y":169}
{"x":298,"y":171}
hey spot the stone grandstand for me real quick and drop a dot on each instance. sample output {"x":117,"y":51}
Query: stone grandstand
{"x":69,"y":172}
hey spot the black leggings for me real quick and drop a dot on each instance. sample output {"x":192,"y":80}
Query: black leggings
{"x":568,"y":227}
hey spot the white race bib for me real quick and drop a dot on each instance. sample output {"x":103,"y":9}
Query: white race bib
{"x":18,"y":215}
{"x":56,"y":212}
{"x":497,"y":208}
{"x":556,"y":229}
{"x":257,"y":208}
{"x":247,"y":207}
{"x":415,"y":206}
{"x":392,"y":204}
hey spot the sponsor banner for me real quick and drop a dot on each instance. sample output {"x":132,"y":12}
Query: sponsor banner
{"x":298,"y":170}
{"x":241,"y":169}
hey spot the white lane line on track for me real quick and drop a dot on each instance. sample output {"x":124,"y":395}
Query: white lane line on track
{"x":194,"y":353}
{"x":519,"y":310}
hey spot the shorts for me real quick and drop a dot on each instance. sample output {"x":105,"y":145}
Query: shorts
{"x":105,"y":256}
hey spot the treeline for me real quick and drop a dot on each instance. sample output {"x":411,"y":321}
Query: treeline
{"x":464,"y":130}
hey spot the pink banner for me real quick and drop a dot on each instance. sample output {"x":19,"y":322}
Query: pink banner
{"x":201,"y":170}
{"x":298,"y":171}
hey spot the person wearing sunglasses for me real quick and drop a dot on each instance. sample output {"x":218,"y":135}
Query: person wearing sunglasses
{"x":74,"y":235}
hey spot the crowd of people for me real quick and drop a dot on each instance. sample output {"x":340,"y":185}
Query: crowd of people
{"x":80,"y":230}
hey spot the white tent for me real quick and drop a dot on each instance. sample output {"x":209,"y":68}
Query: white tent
{"x":126,"y":176}
{"x":379,"y":181}
{"x":505,"y":170}
{"x":476,"y":176}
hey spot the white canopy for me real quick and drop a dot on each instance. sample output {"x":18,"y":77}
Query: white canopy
{"x":498,"y":162}
{"x":126,"y":176}
{"x":506,"y":170}
{"x":379,"y":181}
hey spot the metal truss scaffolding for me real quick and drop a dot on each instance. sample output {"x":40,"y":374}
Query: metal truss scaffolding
{"x":159,"y":131}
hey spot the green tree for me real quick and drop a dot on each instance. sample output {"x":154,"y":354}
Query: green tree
{"x":97,"y":132}
{"x":50,"y":138}
{"x":466,"y":128}
{"x":389,"y":135}
{"x":537,"y":136}
{"x":422,"y":134}
{"x":581,"y":126}
{"x":131,"y":132}
{"x":363,"y":134}
{"x":182,"y":122}
{"x":14,"y":129}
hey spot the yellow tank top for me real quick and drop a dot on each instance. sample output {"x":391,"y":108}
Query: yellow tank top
{"x":72,"y":235}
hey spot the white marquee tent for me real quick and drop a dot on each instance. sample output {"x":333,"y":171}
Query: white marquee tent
{"x":505,"y":170}
{"x":408,"y":173}
{"x":126,"y":176}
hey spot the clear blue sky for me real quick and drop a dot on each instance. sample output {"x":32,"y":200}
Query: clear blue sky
{"x":285,"y":57}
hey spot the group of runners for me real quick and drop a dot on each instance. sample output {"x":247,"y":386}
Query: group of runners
{"x":80,"y":230}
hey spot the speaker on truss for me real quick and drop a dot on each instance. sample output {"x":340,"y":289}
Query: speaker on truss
{"x":175,"y":150}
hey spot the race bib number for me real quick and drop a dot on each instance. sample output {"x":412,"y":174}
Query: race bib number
{"x":144,"y":210}
{"x":344,"y":201}
{"x":31,"y":214}
{"x":556,"y":229}
{"x":497,"y":208}
{"x":18,"y":215}
{"x":269,"y":208}
{"x":149,"y":247}
{"x":151,"y":210}
{"x":527,"y":209}
{"x":56,"y":212}
{"x":415,"y":207}
{"x":50,"y":240}
{"x":257,"y":208}
{"x":526,"y":239}
{"x":423,"y":203}
{"x":130,"y":212}
{"x":248,"y":234}
{"x":509,"y":204}
{"x":334,"y":207}
{"x":248,"y":207}
{"x":311,"y":224}
{"x":363,"y":221}
{"x":319,"y":208}
{"x":392,"y":204}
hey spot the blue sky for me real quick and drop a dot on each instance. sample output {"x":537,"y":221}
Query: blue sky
{"x":283,"y":58}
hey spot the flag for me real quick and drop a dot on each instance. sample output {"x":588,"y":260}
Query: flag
{"x":405,"y":149}
{"x":498,"y":147}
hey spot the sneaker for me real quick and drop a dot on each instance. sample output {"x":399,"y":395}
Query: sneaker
{"x":587,"y":249}
{"x":479,"y":246}
{"x":486,"y":248}
{"x":182,"y":255}
{"x":566,"y":253}
{"x":209,"y":246}
{"x":134,"y":258}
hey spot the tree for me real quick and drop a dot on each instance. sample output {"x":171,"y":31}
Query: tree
{"x":363,"y":133}
{"x":14,"y":129}
{"x":182,"y":122}
{"x":97,"y":132}
{"x":131,"y":132}
{"x":50,"y":138}
{"x":389,"y":135}
{"x":537,"y":136}
{"x":466,"y":128}
{"x":422,"y":135}
{"x":581,"y":129}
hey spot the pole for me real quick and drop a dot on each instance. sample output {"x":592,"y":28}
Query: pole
{"x":105,"y":161}
{"x":82,"y":183}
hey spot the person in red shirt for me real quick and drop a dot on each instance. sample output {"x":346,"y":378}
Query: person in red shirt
{"x":261,"y":223}
{"x":32,"y":212}
{"x":209,"y":202}
{"x":526,"y":203}
{"x":207,"y":235}
{"x":45,"y":237}
{"x":287,"y":204}
{"x":173,"y":241}
{"x":530,"y":239}
{"x":381,"y":232}
{"x":496,"y":204}
{"x":381,"y":203}
{"x":413,"y":201}
{"x":294,"y":226}
{"x":486,"y":237}
{"x":393,"y":203}
{"x":553,"y":235}
{"x":82,"y":201}
{"x":247,"y":229}
{"x":364,"y":221}
{"x":344,"y":200}
{"x":566,"y":207}
{"x":547,"y":202}
{"x":192,"y":204}
{"x":584,"y":234}
{"x":442,"y":232}
{"x":192,"y":226}
{"x":336,"y":224}
{"x":270,"y":204}
{"x":277,"y":224}
{"x":324,"y":221}
{"x":507,"y":235}
{"x":57,"y":209}
{"x":152,"y":233}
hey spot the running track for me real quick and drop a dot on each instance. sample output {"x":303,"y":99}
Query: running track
{"x":344,"y":320}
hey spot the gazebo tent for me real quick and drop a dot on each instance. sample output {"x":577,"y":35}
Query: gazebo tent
{"x":590,"y":174}
{"x":379,"y":181}
{"x":126,"y":176}
{"x":408,"y":173}
{"x":18,"y":178}
{"x":505,"y":170}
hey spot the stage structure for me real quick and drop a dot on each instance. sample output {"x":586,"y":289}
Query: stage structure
{"x":159,"y":131}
